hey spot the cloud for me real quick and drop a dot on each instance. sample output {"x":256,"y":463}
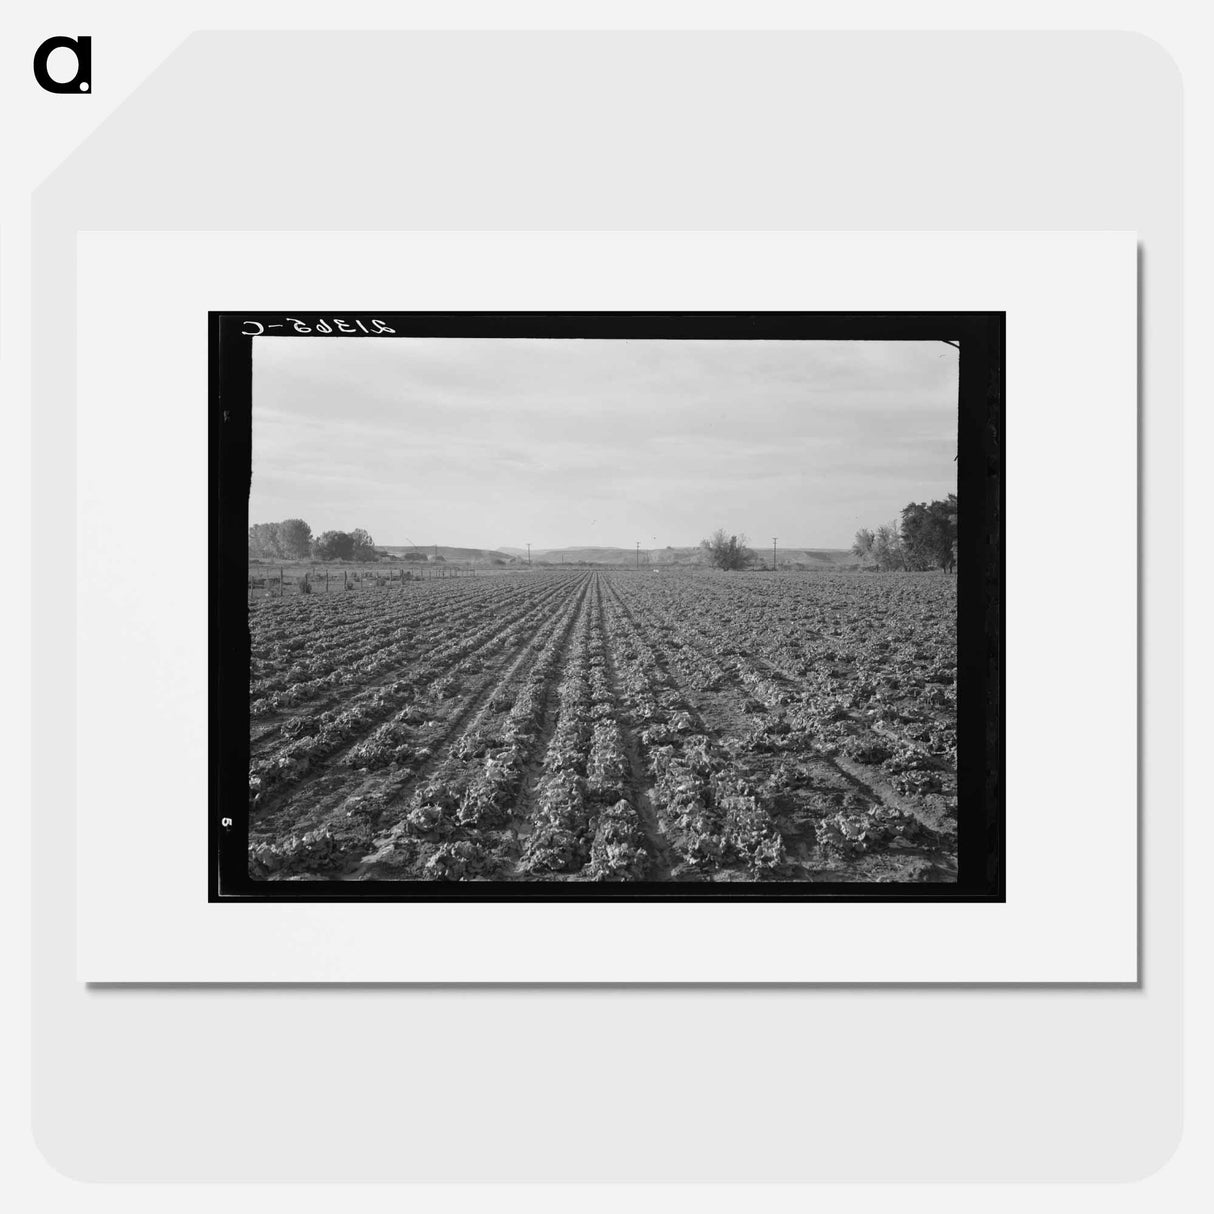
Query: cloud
{"x":482,"y":440}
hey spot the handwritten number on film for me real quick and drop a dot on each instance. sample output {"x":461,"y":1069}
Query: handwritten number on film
{"x":335,"y":324}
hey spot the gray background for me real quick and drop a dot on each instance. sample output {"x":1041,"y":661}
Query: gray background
{"x":679,"y":131}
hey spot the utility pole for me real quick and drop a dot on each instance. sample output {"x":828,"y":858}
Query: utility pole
{"x":638,"y":554}
{"x":528,"y":554}
{"x":773,"y":554}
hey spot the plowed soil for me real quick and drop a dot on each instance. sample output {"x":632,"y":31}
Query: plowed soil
{"x":607,"y":726}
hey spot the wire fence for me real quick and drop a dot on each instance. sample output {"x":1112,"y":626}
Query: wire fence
{"x":285,"y":581}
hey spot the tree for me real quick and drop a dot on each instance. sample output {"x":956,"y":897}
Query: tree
{"x":887,"y":548}
{"x":295,"y":538}
{"x":334,"y":546}
{"x":286,"y":541}
{"x":727,"y":552}
{"x":947,"y":514}
{"x":929,"y":534}
{"x":926,"y":538}
{"x":364,"y":545}
{"x":916,"y":535}
{"x":264,"y":541}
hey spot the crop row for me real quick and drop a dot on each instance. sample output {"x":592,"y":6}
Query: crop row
{"x":895,"y":756}
{"x":618,"y":727}
{"x":281,"y":630}
{"x":434,"y":677}
{"x":378,"y":644}
{"x":463,"y":785}
{"x":708,"y":812}
{"x":581,"y":815}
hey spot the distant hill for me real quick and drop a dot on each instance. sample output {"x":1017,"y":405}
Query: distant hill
{"x":810,"y":558}
{"x":465,"y":555}
{"x":813,"y":558}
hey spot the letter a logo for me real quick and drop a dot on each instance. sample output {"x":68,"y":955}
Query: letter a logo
{"x":82,"y":81}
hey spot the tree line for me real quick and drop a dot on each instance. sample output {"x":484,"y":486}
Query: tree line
{"x":292,"y":540}
{"x":925,"y":538}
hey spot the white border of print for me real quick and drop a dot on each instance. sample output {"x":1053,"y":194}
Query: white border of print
{"x":143,"y":915}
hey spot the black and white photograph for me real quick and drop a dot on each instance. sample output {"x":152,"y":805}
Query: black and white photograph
{"x":590,"y":605}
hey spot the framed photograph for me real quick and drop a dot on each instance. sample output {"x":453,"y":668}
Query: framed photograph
{"x":590,"y":606}
{"x":606,"y":607}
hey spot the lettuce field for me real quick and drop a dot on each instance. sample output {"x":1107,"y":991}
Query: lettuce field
{"x":607,"y":726}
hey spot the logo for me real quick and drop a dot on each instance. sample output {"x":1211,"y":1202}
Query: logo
{"x":82,"y":81}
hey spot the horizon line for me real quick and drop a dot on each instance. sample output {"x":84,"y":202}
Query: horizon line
{"x":608,"y":547}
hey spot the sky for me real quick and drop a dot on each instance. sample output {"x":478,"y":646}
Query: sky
{"x":489,"y":443}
